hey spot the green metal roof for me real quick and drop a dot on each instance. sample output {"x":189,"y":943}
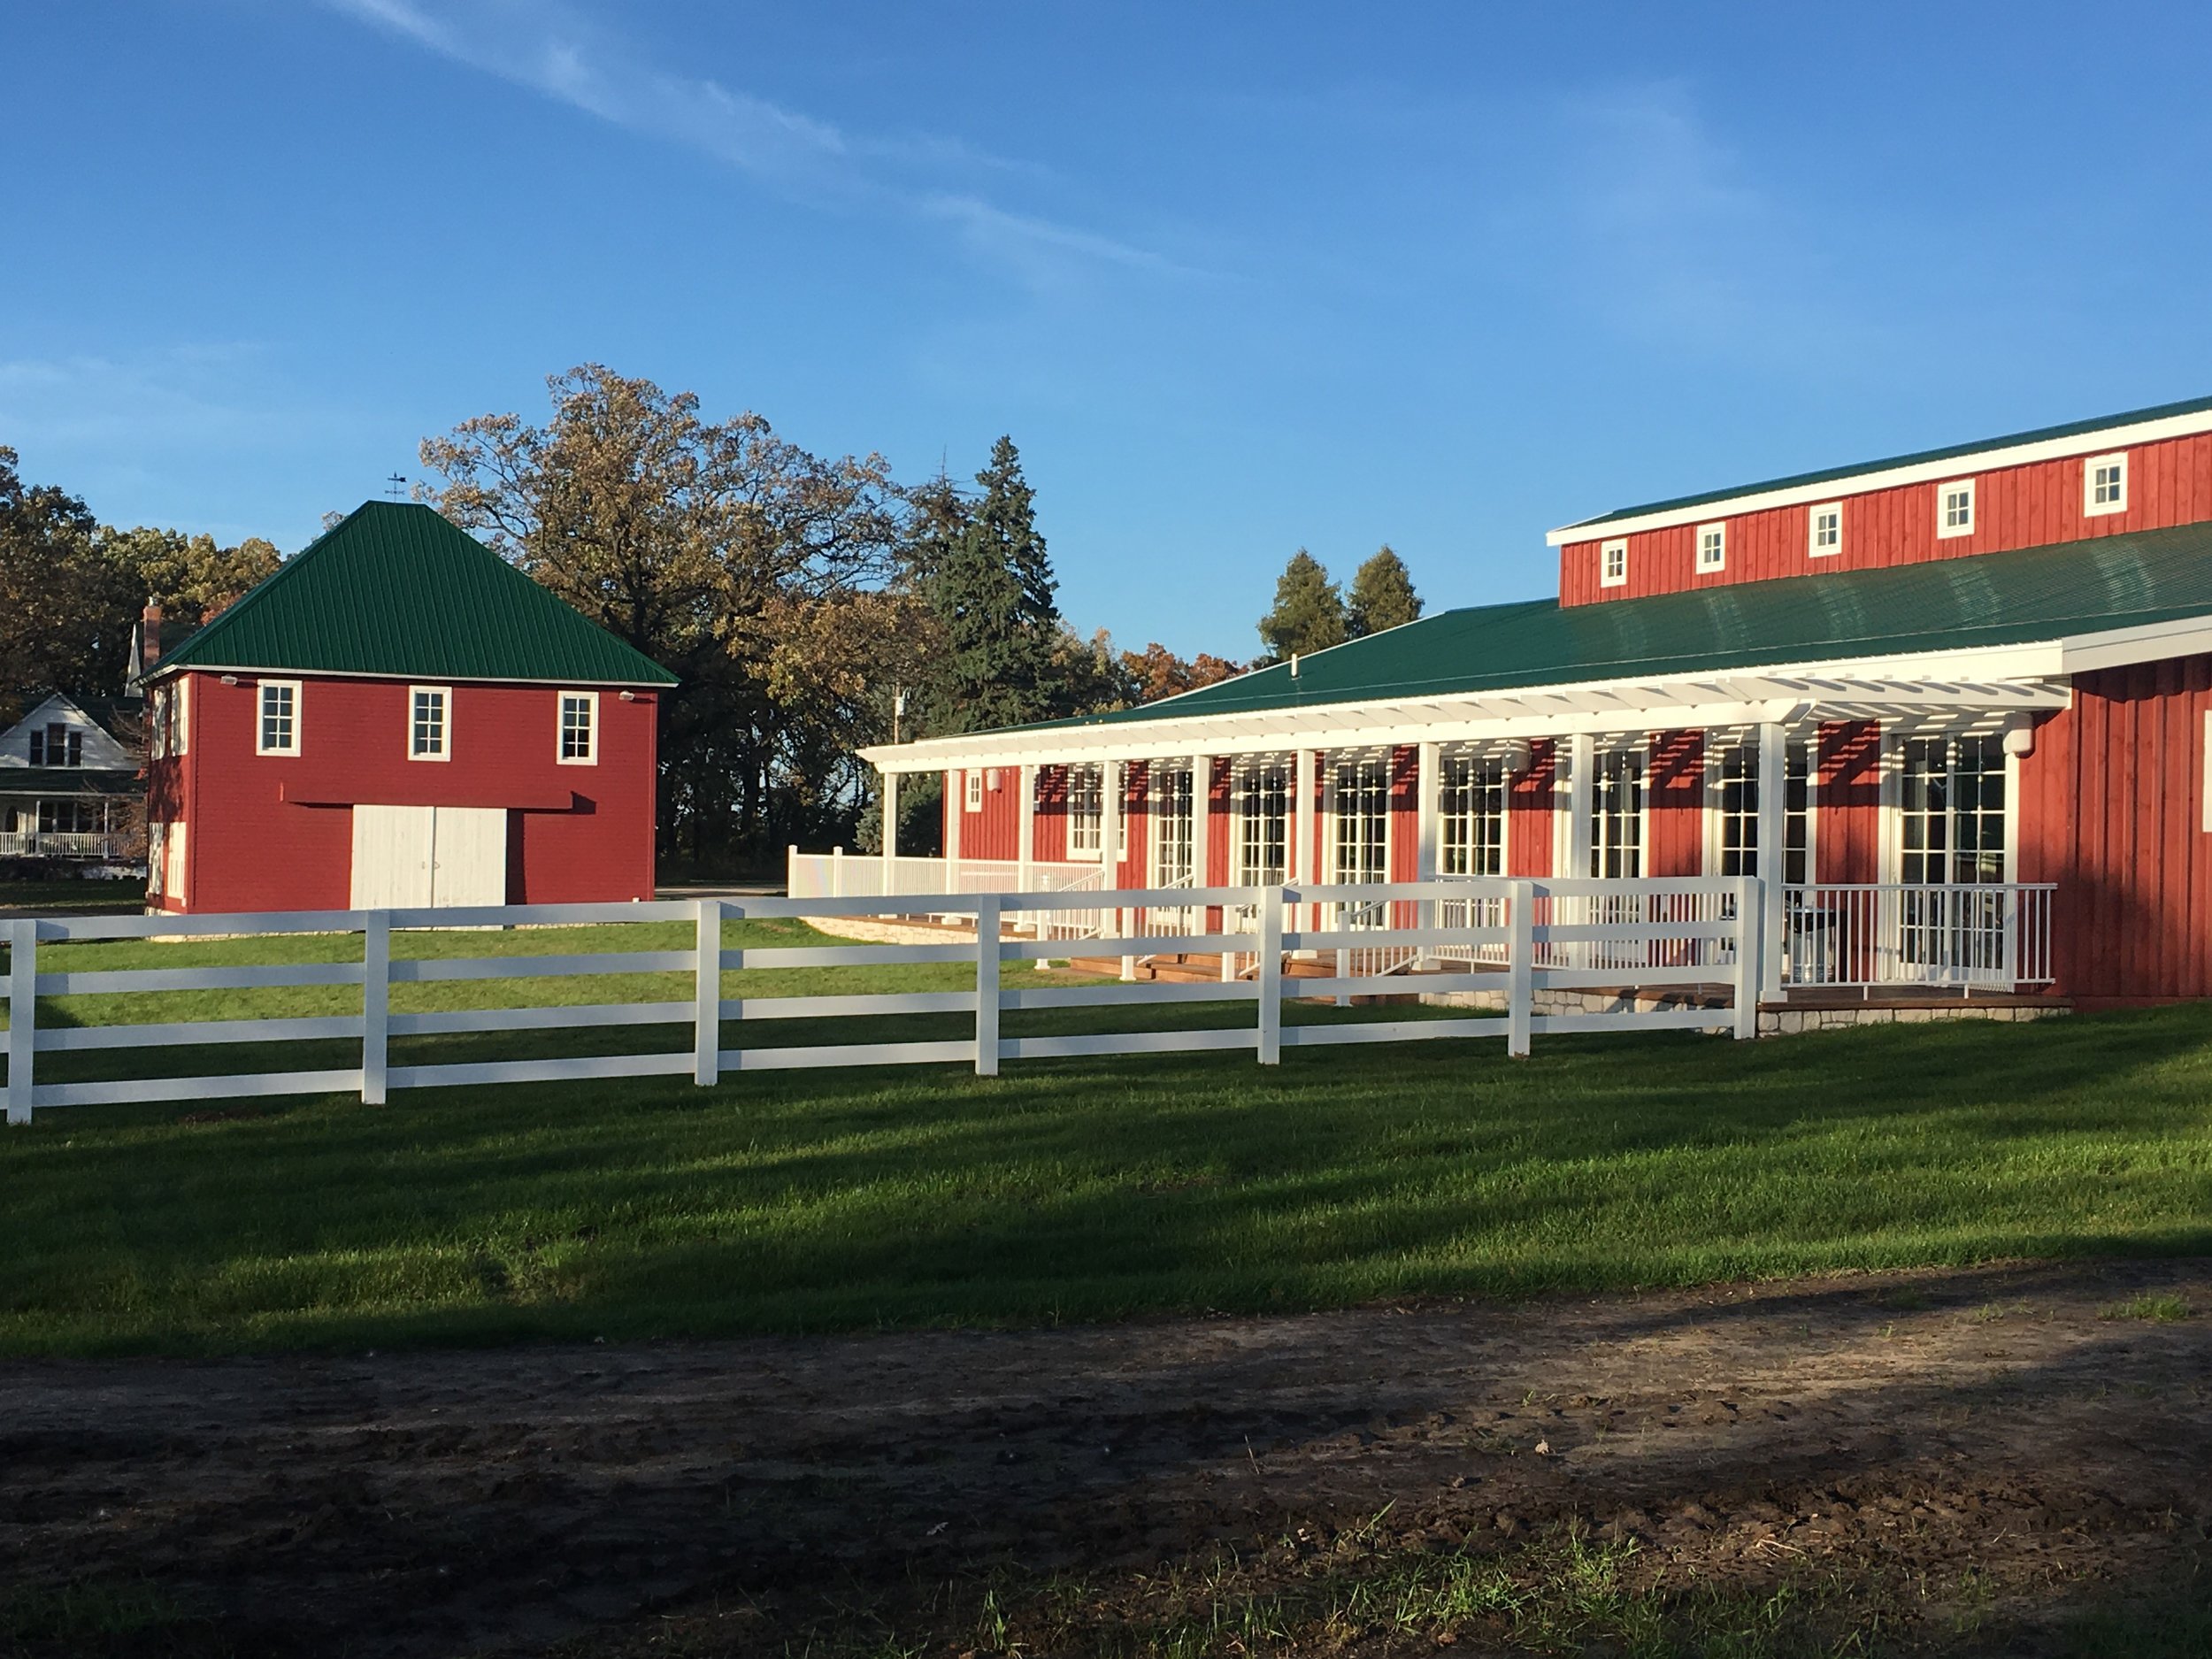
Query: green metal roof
{"x":2041,"y":434}
{"x":396,"y":589}
{"x":1992,"y":599}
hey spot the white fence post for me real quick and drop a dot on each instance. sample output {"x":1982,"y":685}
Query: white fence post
{"x":1271,"y":974}
{"x":987,"y":966}
{"x":376,"y":1004}
{"x":1752,"y":944}
{"x":1520,"y":977}
{"x":706,"y":991}
{"x":22,"y":1017}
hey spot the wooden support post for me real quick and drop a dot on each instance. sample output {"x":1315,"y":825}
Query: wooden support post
{"x":1752,"y":945}
{"x":1272,"y":903}
{"x":706,"y":994}
{"x":1582,"y":768}
{"x":956,"y":815}
{"x":1306,"y":840}
{"x":1773,"y":921}
{"x":376,"y":1005}
{"x":1201,"y":806}
{"x":1520,"y":991}
{"x":22,"y":1017}
{"x":1025,"y":827}
{"x":837,"y":872}
{"x":986,"y":991}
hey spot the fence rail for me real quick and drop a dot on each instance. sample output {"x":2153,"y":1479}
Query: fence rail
{"x":63,"y":844}
{"x":1509,"y":924}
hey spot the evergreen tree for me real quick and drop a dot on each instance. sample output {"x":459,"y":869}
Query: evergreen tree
{"x":1308,"y":614}
{"x":1382,"y":595}
{"x":989,"y":580}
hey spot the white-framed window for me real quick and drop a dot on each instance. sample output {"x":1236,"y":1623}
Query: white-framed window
{"x":1262,"y":795}
{"x":278,"y":730}
{"x":1086,"y":808}
{"x":1824,"y":530}
{"x":1616,"y":815}
{"x":427,"y":708}
{"x":1359,"y":810}
{"x":1472,"y":816}
{"x":578,"y":743}
{"x":1613,"y":565}
{"x":1951,"y":816}
{"x":60,"y":744}
{"x":1733,"y":771}
{"x":1712,"y":548}
{"x":1954,"y":508}
{"x":1173,"y":849}
{"x":2104,"y":485}
{"x":171,"y":724}
{"x":971,"y":789}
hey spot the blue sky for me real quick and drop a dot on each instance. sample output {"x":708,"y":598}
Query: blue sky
{"x":1236,"y":277}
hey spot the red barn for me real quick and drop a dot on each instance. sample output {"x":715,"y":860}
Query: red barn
{"x":399,"y":717}
{"x":1954,"y":708}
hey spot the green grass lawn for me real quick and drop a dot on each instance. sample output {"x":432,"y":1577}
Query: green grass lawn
{"x":1062,"y":1189}
{"x":54,"y":898}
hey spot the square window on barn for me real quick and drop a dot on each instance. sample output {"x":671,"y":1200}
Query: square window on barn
{"x":426,"y":722}
{"x":2104,"y":485}
{"x":1954,"y":508}
{"x":1712,"y":548}
{"x":279,"y":727}
{"x":1613,"y":565}
{"x":1825,"y":527}
{"x":580,"y":728}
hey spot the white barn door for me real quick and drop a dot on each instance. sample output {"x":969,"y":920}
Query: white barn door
{"x":412,"y":856}
{"x":391,"y":856}
{"x":468,"y":855}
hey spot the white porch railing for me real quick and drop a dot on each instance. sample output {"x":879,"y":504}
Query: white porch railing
{"x":842,"y":875}
{"x":1994,"y":937}
{"x":60,"y":844}
{"x":1530,"y":943}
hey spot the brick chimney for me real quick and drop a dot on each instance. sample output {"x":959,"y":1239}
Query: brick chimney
{"x":149,"y":638}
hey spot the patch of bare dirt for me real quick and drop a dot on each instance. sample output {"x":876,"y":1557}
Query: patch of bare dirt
{"x":432,"y":1503}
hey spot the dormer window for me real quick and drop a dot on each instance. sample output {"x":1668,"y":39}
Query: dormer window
{"x":2104,"y":485}
{"x":56,"y":745}
{"x":1613,"y":565}
{"x":1712,"y":548}
{"x":1954,"y":508}
{"x":1825,"y":531}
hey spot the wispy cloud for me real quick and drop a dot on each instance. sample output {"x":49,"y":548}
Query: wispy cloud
{"x":572,"y":59}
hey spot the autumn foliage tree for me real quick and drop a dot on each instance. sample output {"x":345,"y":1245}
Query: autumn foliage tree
{"x":760,"y":574}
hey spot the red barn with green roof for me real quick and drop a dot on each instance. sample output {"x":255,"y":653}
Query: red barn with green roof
{"x":399,"y":717}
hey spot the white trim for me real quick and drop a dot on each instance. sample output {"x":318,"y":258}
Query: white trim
{"x":1606,"y":576}
{"x":2091,"y":508}
{"x":1992,"y":459}
{"x":261,"y":689}
{"x":1946,"y":492}
{"x":2204,"y":765}
{"x":444,"y":693}
{"x":1714,"y":537}
{"x":560,"y":727}
{"x":242,"y":669}
{"x":1813,"y":516}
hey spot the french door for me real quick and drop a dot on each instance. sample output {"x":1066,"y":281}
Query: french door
{"x":1951,"y":825}
{"x":1360,"y":836}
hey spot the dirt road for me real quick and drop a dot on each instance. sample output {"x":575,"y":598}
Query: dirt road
{"x":452,"y":1502}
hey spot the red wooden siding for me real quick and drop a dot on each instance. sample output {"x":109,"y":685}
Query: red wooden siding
{"x":1847,"y":797}
{"x":994,"y":831}
{"x":2111,"y":810}
{"x":2169,"y":483}
{"x":1135,"y":869}
{"x":275,"y":832}
{"x":1049,"y":840}
{"x":1529,"y":801}
{"x":1677,"y":782}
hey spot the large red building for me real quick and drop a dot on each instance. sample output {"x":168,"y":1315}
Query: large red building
{"x":399,"y":717}
{"x":1953,"y":706}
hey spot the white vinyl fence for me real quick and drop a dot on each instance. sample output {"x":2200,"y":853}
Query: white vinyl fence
{"x":1541,"y":935}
